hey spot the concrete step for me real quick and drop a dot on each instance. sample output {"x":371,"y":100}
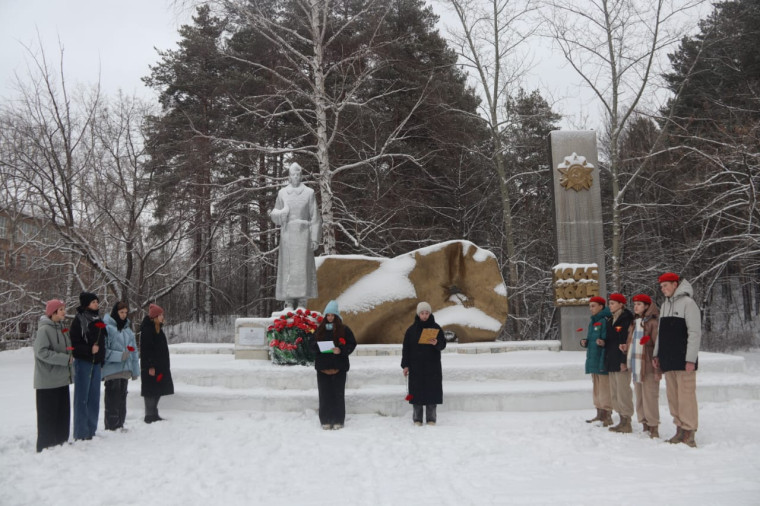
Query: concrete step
{"x":520,"y":381}
{"x":221,"y":370}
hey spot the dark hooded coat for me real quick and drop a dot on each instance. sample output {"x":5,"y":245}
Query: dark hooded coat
{"x":424,"y":363}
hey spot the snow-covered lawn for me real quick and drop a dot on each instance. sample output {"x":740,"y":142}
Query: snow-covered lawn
{"x":276,"y":458}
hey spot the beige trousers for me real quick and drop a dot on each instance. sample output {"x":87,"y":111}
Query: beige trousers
{"x":621,"y":393}
{"x":601,"y":384}
{"x":681,"y":387}
{"x":648,"y":401}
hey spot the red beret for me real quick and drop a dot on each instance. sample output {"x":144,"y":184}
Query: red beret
{"x":598,"y":300}
{"x":154,"y":310}
{"x":618,"y":297}
{"x":669,"y":276}
{"x":642,"y":297}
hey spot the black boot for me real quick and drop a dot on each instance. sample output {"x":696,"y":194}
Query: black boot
{"x":430,"y":414}
{"x":417,"y":414}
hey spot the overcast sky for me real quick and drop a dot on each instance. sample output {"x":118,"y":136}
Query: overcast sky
{"x":114,"y":41}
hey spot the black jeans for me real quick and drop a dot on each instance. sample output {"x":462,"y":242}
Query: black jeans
{"x":53,"y":416}
{"x":332,"y":398}
{"x":115,"y":403}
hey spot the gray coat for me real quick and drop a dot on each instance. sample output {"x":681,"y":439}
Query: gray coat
{"x":681,"y":307}
{"x":51,"y":358}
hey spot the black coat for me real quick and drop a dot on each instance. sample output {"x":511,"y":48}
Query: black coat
{"x":617,"y":334}
{"x":424,"y":363}
{"x":340,"y":361}
{"x":154,"y":353}
{"x":84,"y":333}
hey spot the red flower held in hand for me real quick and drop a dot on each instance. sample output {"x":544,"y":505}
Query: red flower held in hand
{"x":131,"y":348}
{"x":65,"y":330}
{"x":159,"y":377}
{"x":644,"y":340}
{"x":579,"y":330}
{"x":70,"y":348}
{"x":100,"y":325}
{"x":342,"y":341}
{"x":408,"y":397}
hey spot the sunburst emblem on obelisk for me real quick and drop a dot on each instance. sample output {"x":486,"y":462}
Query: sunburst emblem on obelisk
{"x":576,"y":173}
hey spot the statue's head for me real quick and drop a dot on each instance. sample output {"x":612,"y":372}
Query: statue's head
{"x":295,"y":174}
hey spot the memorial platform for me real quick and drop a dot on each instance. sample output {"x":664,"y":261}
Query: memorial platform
{"x":501,"y":376}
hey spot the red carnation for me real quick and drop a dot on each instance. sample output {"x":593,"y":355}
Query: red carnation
{"x":273,"y":342}
{"x":597,"y":324}
{"x":307,"y":313}
{"x":319,"y":319}
{"x":290,"y":314}
{"x":159,"y":377}
{"x":131,"y":348}
{"x":283,"y":317}
{"x":65,"y":330}
{"x":341,"y":341}
{"x":618,"y":328}
{"x":299,"y":311}
{"x":299,"y":340}
{"x":70,"y":348}
{"x":579,"y":330}
{"x":644,"y":340}
{"x":408,"y":397}
{"x":100,"y":325}
{"x":270,"y":328}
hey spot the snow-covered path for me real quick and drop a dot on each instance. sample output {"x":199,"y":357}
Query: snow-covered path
{"x":285,"y":458}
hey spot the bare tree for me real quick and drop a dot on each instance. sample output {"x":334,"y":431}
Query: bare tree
{"x":328,"y":59}
{"x":616,"y":46}
{"x":79,"y":163}
{"x":491,"y":41}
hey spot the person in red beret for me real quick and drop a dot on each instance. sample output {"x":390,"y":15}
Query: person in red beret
{"x":155,"y":368}
{"x":639,"y":347}
{"x":594,"y":343}
{"x":615,"y":361}
{"x":676,"y":354}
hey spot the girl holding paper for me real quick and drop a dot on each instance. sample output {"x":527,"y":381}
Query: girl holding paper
{"x":332,"y":343}
{"x":421,"y":362}
{"x":639,"y":347}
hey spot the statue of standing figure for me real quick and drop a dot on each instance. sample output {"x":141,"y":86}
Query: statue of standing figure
{"x":300,"y":234}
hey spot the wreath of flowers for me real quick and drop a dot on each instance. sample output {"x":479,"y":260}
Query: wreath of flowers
{"x":288,"y":337}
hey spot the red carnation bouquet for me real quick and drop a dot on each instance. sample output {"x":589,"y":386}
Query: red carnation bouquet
{"x":288,"y":337}
{"x":644,"y":340}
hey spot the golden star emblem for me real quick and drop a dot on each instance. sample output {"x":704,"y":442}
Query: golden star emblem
{"x":575,"y":173}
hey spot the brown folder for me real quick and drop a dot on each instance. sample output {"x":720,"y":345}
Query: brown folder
{"x":428,"y":336}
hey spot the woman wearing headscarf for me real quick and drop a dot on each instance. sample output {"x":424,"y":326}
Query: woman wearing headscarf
{"x":155,"y":371}
{"x":332,"y":364}
{"x":121,"y":364}
{"x":421,"y":363}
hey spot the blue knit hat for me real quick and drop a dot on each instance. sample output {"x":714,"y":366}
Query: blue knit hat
{"x":332,"y":308}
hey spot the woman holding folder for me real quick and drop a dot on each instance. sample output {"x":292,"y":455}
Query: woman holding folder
{"x":421,"y":361}
{"x":332,"y":343}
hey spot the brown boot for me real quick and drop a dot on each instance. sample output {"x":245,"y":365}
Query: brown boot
{"x":616,"y":428}
{"x":688,"y":438}
{"x":654,"y":432}
{"x":645,"y":427}
{"x":678,"y":437}
{"x":607,"y":417}
{"x":624,"y":427}
{"x":597,"y":418}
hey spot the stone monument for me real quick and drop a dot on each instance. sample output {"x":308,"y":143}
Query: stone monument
{"x":579,"y":272}
{"x":300,"y":234}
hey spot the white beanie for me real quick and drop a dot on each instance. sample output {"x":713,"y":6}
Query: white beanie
{"x":423,"y":306}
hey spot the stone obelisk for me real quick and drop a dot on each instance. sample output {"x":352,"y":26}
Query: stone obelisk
{"x":578,"y":274}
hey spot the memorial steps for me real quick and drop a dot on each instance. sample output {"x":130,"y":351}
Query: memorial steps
{"x":511,"y":376}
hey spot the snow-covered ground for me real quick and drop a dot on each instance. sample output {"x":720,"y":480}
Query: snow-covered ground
{"x":272,"y":458}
